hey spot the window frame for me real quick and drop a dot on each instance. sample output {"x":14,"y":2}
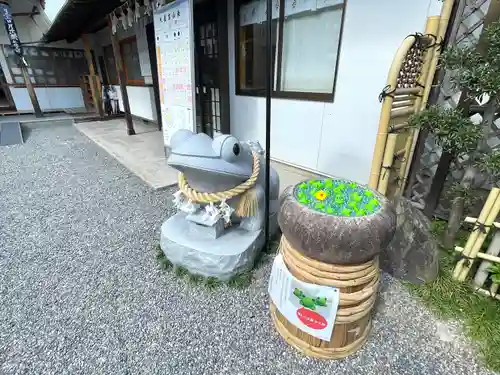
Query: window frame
{"x":50,"y":58}
{"x":277,"y":92}
{"x":130,"y":82}
{"x":105,"y":48}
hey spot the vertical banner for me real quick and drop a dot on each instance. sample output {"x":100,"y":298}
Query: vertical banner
{"x":175,"y":51}
{"x":15,"y":42}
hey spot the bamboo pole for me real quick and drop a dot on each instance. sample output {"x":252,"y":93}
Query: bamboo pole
{"x":407,"y":103}
{"x":432,"y":28}
{"x":477,"y":237}
{"x":494,"y":288}
{"x":387,"y":163}
{"x":485,"y":256}
{"x":383,"y":129}
{"x":444,"y":20}
{"x":482,"y":272}
{"x":402,"y":112}
{"x":487,"y":293}
{"x":472,"y":220}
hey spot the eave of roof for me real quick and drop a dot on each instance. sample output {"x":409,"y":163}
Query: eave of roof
{"x":78,"y":17}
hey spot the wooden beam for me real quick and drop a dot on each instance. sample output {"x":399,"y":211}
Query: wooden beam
{"x":122,"y":79}
{"x":25,"y":14}
{"x":31,"y":90}
{"x":94,"y":78}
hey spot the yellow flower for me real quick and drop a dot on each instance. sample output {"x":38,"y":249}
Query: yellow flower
{"x":320,"y":195}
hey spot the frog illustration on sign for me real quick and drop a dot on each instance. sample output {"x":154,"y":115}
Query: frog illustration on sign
{"x":309,"y":302}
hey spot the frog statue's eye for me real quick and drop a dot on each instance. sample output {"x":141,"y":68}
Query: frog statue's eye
{"x":230,"y":147}
{"x":236,"y":149}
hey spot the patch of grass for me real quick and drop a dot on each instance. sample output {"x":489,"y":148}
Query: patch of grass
{"x":450,"y":299}
{"x":212,"y":282}
{"x":241,"y":280}
{"x":180,"y":271}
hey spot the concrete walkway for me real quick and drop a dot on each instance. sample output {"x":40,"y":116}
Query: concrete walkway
{"x":144,"y":155}
{"x":81,"y":291}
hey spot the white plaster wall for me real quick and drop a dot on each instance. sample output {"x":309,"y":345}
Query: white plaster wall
{"x":142,"y":102}
{"x":335,"y":138}
{"x":31,"y":30}
{"x":50,"y":98}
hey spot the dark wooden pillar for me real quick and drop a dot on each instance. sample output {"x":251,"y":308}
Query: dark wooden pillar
{"x":31,"y":90}
{"x":15,"y":43}
{"x":122,"y":79}
{"x":95,"y":82}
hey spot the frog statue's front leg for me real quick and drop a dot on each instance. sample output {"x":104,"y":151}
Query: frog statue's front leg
{"x":256,"y":222}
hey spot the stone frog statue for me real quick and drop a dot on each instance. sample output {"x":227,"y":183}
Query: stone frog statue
{"x":213,"y":172}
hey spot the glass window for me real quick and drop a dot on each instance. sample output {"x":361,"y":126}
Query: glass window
{"x":131,"y":63}
{"x":252,"y":46}
{"x":306,"y":40}
{"x":49,"y":66}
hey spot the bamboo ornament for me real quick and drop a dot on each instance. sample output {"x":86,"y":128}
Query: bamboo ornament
{"x":385,"y":115}
{"x":405,"y":101}
{"x":476,"y":238}
{"x":426,"y":77}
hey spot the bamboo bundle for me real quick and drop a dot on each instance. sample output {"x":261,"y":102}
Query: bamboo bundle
{"x":406,"y":101}
{"x":385,"y":114}
{"x":476,"y":239}
{"x":358,"y":285}
{"x":397,"y":107}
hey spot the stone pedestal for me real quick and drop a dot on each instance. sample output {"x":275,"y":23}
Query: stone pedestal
{"x":233,"y":252}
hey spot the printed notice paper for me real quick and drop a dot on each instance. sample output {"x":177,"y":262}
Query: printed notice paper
{"x":311,"y":308}
{"x":174,"y":49}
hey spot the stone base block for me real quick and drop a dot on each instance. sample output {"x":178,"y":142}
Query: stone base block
{"x":233,"y":252}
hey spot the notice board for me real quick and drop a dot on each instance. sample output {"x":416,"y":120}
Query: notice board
{"x":174,"y":35}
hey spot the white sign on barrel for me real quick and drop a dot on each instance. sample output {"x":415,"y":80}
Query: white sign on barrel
{"x":311,"y":308}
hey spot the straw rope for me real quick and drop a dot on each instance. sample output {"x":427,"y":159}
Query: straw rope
{"x":200,"y":197}
{"x":314,"y":351}
{"x":308,"y":270}
{"x":320,"y":266}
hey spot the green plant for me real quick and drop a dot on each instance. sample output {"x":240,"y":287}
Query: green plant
{"x":476,"y":72}
{"x":455,"y":133}
{"x":494,"y":270}
{"x":490,"y":165}
{"x":449,"y":299}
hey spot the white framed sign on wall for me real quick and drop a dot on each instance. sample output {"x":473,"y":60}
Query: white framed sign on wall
{"x":174,"y":36}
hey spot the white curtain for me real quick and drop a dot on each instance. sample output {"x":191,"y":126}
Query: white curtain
{"x":310,"y":47}
{"x":255,"y":11}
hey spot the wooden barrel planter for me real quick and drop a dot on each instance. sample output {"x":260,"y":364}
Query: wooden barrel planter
{"x":326,"y":245}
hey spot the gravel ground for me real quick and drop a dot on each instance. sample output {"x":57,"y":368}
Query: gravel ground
{"x":81,"y":291}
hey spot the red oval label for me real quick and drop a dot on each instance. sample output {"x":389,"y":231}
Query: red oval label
{"x":311,"y":319}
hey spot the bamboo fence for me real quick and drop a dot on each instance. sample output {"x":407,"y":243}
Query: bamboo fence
{"x":473,"y":252}
{"x":407,"y":90}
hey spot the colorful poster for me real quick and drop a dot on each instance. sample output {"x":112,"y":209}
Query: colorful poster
{"x":311,"y":308}
{"x":175,"y":52}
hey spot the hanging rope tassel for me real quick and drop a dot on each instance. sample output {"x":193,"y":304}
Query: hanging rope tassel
{"x":249,"y":204}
